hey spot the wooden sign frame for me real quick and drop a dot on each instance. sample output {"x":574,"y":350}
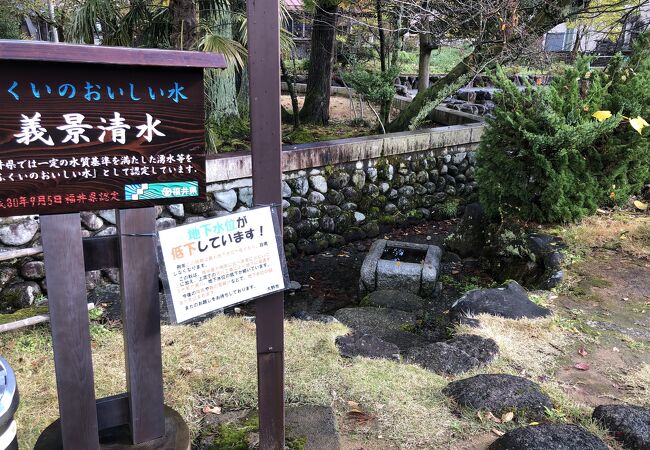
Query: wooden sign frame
{"x":67,"y":257}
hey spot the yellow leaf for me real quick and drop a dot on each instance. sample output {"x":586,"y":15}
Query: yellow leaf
{"x":639,"y":124}
{"x":533,"y":423}
{"x":612,"y":195}
{"x":640,"y":205}
{"x":601,"y":116}
{"x":507,"y":417}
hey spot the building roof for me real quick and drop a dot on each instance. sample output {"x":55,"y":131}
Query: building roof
{"x":295,"y":4}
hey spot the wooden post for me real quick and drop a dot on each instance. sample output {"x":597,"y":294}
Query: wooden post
{"x":66,"y":291}
{"x":264,"y":75}
{"x":141,"y":322}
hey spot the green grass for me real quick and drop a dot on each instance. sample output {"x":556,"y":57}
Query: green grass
{"x":442,"y":60}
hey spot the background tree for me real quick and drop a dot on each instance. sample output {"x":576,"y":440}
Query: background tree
{"x":9,"y":21}
{"x":321,"y":60}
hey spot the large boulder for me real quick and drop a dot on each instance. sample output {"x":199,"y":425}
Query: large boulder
{"x":401,"y":300}
{"x":366,"y":345}
{"x":629,"y":424}
{"x":500,"y":393}
{"x":549,"y":437}
{"x":458,"y":355}
{"x":511,"y":302}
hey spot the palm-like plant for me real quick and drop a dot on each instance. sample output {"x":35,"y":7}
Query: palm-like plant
{"x":159,"y":24}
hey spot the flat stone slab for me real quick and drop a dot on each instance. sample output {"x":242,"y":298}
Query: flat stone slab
{"x":366,"y":345}
{"x":315,"y":424}
{"x":458,"y":355}
{"x":388,"y":324}
{"x":500,"y":393}
{"x":402,"y":300}
{"x":629,"y":424}
{"x":315,"y":317}
{"x":370,"y":320}
{"x":549,"y":437}
{"x":511,"y":302}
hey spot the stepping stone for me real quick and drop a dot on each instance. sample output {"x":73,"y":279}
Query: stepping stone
{"x":511,"y":302}
{"x":309,"y":317}
{"x":401,"y":300}
{"x":458,"y":355}
{"x":316,"y":425}
{"x":366,"y":345}
{"x":549,"y":437}
{"x":368,"y":319}
{"x":388,"y":324}
{"x":500,"y":393}
{"x":629,"y":424}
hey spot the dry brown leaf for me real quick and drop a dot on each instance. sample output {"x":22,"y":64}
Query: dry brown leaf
{"x":582,"y":351}
{"x":507,"y":417}
{"x":497,"y":432}
{"x":492,"y":417}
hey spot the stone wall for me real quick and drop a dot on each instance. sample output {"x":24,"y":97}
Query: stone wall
{"x":333,"y":192}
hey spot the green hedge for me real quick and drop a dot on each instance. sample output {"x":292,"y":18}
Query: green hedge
{"x":544,"y":157}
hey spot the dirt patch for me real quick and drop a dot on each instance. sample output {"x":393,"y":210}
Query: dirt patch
{"x":477,"y":442}
{"x":340,"y":109}
{"x":609,"y":304}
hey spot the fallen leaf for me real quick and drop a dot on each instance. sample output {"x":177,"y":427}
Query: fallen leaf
{"x":533,"y":423}
{"x":582,"y":366}
{"x":640,"y":205}
{"x":492,"y":417}
{"x":582,"y":351}
{"x":352,"y":404}
{"x":211,"y":410}
{"x":507,"y":417}
{"x":497,"y":432}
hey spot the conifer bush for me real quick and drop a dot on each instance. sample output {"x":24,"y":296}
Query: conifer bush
{"x":556,"y":153}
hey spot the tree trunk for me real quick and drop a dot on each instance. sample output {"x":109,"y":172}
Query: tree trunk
{"x":484,"y":57}
{"x":403,"y":121}
{"x":184,"y":23}
{"x":221,"y":85}
{"x":424,"y":67}
{"x":292,"y":93}
{"x":319,"y":79}
{"x":382,"y":36}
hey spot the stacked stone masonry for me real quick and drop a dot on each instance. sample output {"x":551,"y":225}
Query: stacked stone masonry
{"x":332,"y":193}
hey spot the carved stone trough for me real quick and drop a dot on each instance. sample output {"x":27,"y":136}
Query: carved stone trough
{"x":400,"y":266}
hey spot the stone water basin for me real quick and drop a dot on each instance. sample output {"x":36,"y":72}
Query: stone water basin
{"x":400,"y":266}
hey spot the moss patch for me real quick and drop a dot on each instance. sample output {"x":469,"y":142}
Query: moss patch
{"x":23,"y":314}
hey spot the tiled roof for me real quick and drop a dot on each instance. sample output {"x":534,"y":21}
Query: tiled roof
{"x":295,"y":4}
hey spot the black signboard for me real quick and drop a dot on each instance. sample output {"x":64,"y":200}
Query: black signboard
{"x":77,"y":136}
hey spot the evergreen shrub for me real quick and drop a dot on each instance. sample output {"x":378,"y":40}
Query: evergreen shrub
{"x":544,"y":157}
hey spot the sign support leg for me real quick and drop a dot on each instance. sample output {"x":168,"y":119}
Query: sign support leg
{"x":264,"y":42}
{"x":66,"y":283}
{"x":141,"y":322}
